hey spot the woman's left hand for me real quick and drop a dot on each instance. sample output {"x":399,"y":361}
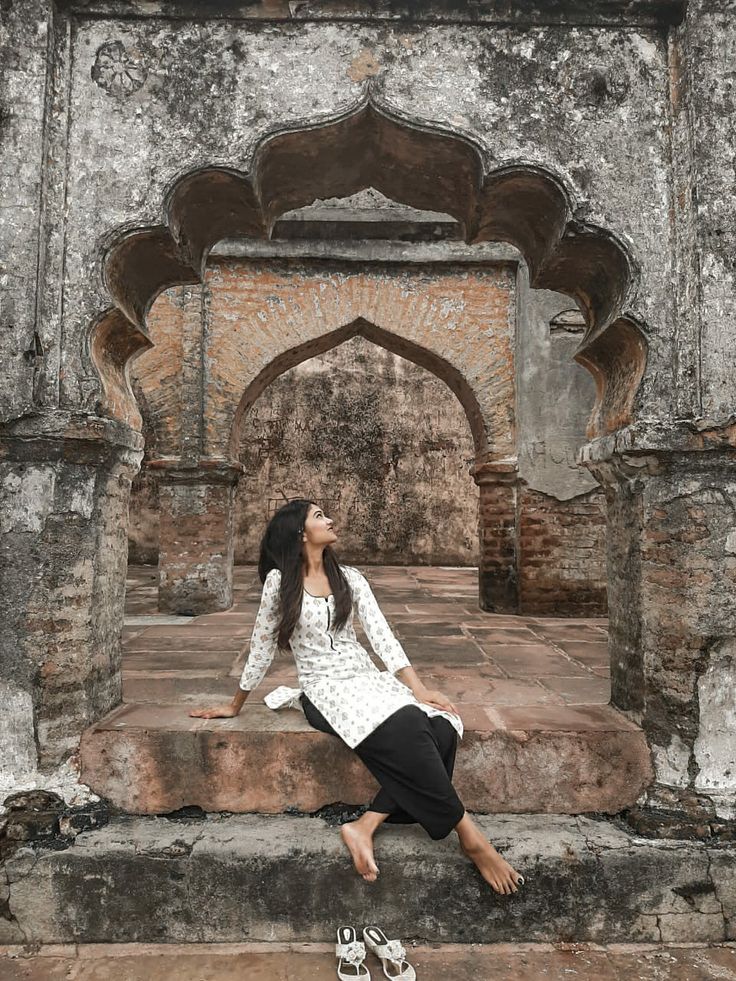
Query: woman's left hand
{"x":437,"y":700}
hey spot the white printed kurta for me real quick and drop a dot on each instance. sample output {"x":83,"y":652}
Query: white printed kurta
{"x":334,"y":669}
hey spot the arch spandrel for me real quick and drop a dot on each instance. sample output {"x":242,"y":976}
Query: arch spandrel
{"x":460,"y":326}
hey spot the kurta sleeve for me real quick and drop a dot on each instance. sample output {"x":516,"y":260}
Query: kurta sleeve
{"x":376,"y":628}
{"x":263,"y":641}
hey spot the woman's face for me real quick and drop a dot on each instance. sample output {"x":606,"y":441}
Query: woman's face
{"x":318,"y":527}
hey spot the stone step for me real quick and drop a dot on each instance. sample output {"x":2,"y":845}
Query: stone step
{"x":257,"y":877}
{"x":154,"y":758}
{"x":307,"y":961}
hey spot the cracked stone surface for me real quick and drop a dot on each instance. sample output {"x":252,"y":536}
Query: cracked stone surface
{"x":230,"y":878}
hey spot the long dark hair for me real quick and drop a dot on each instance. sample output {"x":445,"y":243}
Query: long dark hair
{"x":282,"y":548}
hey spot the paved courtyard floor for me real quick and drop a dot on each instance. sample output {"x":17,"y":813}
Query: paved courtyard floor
{"x":314,"y":962}
{"x":507,"y":671}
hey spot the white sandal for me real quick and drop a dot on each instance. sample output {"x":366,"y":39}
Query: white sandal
{"x":389,"y":952}
{"x":350,"y":953}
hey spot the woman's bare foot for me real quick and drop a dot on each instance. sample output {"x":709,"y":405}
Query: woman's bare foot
{"x":495,"y":870}
{"x":493,"y":867}
{"x":359,"y":840}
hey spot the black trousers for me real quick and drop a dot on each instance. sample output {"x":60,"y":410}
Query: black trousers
{"x":412,"y":756}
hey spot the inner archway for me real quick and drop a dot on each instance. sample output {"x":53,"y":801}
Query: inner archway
{"x":468,"y":322}
{"x":379,"y":441}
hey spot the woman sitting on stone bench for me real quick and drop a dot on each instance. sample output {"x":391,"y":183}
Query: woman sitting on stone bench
{"x":405,"y":734}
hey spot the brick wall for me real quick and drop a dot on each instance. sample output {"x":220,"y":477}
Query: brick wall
{"x":562,"y":553}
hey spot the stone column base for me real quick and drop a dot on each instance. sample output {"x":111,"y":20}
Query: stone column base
{"x":64,"y":492}
{"x":671,"y":498}
{"x":195,"y":565}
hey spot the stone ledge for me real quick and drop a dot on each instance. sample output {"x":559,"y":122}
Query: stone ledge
{"x":499,"y":12}
{"x":256,"y":877}
{"x":153,"y":759}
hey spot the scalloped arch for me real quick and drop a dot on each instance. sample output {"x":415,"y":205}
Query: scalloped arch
{"x":421,"y":166}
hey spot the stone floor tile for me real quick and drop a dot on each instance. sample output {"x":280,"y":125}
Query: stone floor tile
{"x":674,"y":964}
{"x":177,"y":689}
{"x":569,"y":631}
{"x":215,"y":661}
{"x":503,"y":635}
{"x":469,"y":673}
{"x":477,"y":718}
{"x":218,"y":628}
{"x":590,"y":653}
{"x":515,"y":692}
{"x":455,"y":646}
{"x":183,"y":639}
{"x":584,"y":690}
{"x":532,"y":661}
{"x":227,"y":616}
{"x":477,"y":618}
{"x":601,"y":718}
{"x":426,"y":628}
{"x":441,"y":607}
{"x":154,"y":619}
{"x":156,"y":716}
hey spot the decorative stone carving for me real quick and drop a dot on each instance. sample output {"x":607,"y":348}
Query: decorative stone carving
{"x":117,"y":71}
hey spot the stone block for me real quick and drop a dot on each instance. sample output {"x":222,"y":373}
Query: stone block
{"x":289,"y":878}
{"x":151,"y":759}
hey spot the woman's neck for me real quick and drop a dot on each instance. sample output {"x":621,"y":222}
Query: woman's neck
{"x":314,"y":561}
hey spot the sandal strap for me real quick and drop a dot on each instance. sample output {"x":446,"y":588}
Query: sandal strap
{"x":393,"y":950}
{"x":353,"y":952}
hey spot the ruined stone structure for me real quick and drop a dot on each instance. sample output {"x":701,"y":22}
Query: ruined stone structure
{"x":550,"y":556}
{"x":580,"y":150}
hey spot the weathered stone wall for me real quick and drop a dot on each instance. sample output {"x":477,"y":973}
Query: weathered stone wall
{"x":381,"y":443}
{"x":703,"y":101}
{"x":28,"y":344}
{"x":143,"y":527}
{"x":63,"y":513}
{"x":262,"y":317}
{"x":673,"y":619}
{"x":573,"y":104}
{"x":393,"y":470}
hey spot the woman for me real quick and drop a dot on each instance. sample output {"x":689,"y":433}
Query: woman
{"x":405,"y":734}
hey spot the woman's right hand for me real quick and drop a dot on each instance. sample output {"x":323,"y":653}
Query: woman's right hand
{"x":216,"y":712}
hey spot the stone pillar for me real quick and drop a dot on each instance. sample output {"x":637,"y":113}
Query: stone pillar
{"x":196,"y":538}
{"x":498,"y":579}
{"x":672,"y":602}
{"x":64,"y":492}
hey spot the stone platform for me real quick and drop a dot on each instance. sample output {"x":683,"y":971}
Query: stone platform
{"x":532,"y":693}
{"x":236,"y":878}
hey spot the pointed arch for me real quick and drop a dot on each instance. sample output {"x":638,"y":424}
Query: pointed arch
{"x":381,"y":337}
